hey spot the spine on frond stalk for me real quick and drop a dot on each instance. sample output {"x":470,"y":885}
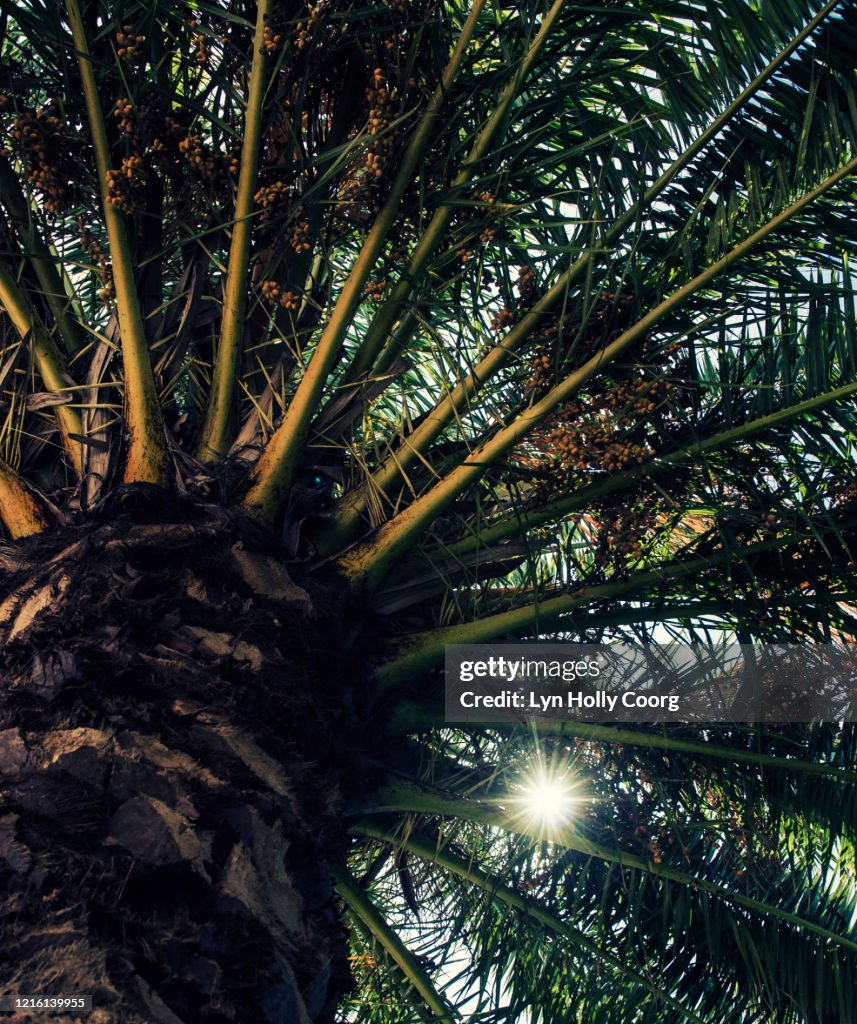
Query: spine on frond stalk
{"x":217,"y":428}
{"x":146,"y":458}
{"x":272,"y":475}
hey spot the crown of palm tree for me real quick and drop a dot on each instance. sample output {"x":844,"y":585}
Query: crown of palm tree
{"x":489,"y":321}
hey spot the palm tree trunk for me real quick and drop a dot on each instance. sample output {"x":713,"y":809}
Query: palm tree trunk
{"x":171,"y":778}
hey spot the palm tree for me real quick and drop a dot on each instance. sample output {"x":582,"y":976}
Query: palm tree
{"x":332,"y":336}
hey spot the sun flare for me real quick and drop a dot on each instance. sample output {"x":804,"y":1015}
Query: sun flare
{"x":546,"y":798}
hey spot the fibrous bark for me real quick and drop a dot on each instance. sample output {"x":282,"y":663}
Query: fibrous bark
{"x":174,"y":727}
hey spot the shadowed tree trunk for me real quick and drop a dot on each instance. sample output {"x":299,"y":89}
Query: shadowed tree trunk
{"x":174,"y":779}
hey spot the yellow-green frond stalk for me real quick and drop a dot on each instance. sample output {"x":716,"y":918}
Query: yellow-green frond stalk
{"x":218,"y":428}
{"x":49,"y":363}
{"x":146,"y":453}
